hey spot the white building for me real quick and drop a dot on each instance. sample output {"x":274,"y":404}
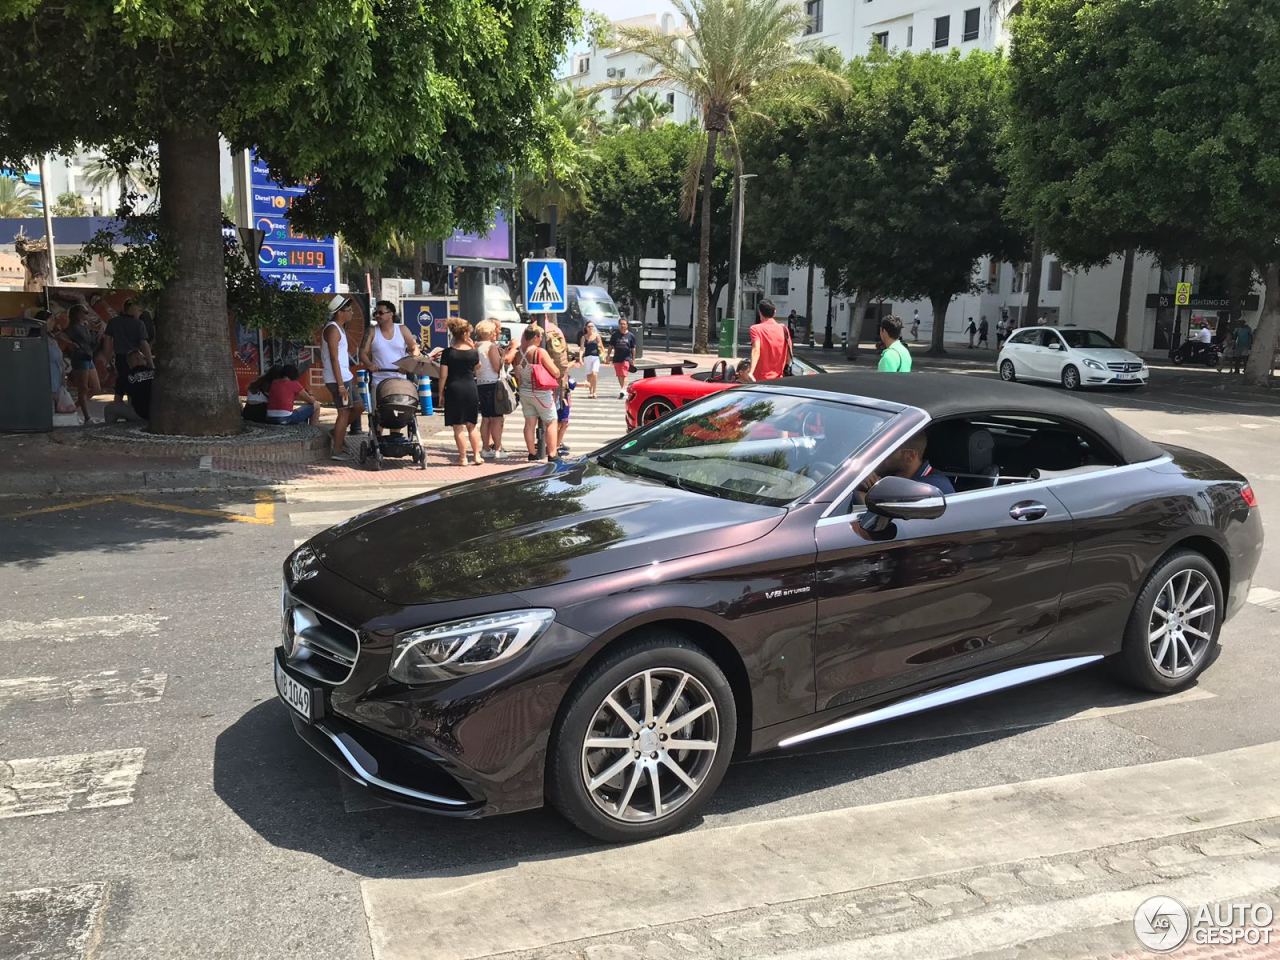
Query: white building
{"x":1085,"y":299}
{"x":595,"y":66}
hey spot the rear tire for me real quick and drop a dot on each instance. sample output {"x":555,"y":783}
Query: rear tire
{"x":1007,"y":373}
{"x":1172,"y":634}
{"x":682,"y":681}
{"x":1070,"y":377}
{"x":654,"y":409}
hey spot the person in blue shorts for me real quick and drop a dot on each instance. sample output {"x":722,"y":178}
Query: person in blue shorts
{"x":562,"y":413}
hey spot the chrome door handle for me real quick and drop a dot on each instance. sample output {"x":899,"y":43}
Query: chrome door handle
{"x":1028,"y":510}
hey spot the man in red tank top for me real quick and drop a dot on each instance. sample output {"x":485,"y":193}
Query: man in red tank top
{"x":770,"y":345}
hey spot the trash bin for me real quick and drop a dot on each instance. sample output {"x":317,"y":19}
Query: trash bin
{"x":26,"y":387}
{"x":728,"y":332}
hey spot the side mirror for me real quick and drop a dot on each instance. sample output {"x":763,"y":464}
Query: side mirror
{"x":901,"y":499}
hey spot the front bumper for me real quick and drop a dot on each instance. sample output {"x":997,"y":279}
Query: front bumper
{"x":1107,"y":378}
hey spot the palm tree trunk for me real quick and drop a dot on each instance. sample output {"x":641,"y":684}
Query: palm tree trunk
{"x":195,"y":387}
{"x":1032,"y":314}
{"x":1258,"y":370}
{"x":1126,"y":291}
{"x":940,"y":303}
{"x":419,"y":255}
{"x":704,"y":247}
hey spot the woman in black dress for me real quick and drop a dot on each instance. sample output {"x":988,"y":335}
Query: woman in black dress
{"x":458,"y":388}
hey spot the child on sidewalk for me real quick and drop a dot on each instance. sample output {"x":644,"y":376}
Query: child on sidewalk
{"x":562,"y":413}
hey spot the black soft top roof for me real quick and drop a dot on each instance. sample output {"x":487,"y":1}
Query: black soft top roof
{"x":944,"y":395}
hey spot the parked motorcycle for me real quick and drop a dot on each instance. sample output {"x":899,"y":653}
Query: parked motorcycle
{"x":1196,"y":351}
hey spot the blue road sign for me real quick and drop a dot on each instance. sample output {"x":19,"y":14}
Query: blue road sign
{"x":545,"y":288}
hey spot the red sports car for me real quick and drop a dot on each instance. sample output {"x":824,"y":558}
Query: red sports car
{"x":654,"y":396}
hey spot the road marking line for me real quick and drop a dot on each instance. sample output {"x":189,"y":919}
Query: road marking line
{"x":200,"y":511}
{"x":108,"y":688}
{"x":1252,"y":426}
{"x":1264,"y":597}
{"x":1173,"y":433}
{"x":62,"y":630}
{"x":299,"y":541}
{"x":352,"y":494}
{"x":53,"y":923}
{"x":58,"y":508}
{"x":1214,"y":429}
{"x":744,"y":866}
{"x":264,"y":510}
{"x":78,"y":781}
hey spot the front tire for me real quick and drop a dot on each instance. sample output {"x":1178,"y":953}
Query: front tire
{"x":1070,"y":377}
{"x":614,"y":769}
{"x":1172,"y":632}
{"x":654,"y":409}
{"x":1007,"y":373}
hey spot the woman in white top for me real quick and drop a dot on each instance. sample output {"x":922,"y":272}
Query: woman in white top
{"x":492,"y":361}
{"x":335,"y":355}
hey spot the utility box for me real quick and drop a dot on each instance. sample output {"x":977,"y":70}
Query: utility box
{"x":26,"y":384}
{"x":728,"y":334}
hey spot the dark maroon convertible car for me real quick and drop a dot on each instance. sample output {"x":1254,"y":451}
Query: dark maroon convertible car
{"x":749,"y":573}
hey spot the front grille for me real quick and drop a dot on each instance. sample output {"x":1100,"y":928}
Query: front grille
{"x":318,"y":645}
{"x":1124,"y":367}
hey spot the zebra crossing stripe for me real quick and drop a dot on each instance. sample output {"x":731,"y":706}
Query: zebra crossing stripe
{"x":108,"y":688}
{"x":80,"y":628}
{"x":77,"y":781}
{"x":52,"y":923}
{"x":1264,"y":597}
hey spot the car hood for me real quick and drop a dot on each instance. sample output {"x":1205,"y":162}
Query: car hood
{"x":531,"y":529}
{"x":1105,"y":355}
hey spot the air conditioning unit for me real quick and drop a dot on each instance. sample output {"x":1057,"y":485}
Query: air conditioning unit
{"x":611,"y":72}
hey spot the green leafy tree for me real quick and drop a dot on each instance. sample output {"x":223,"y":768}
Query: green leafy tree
{"x":1152,"y":125}
{"x":17,"y":199}
{"x":70,"y":205}
{"x":553,"y":180}
{"x":732,"y":55}
{"x":397,"y":114}
{"x":905,"y":168}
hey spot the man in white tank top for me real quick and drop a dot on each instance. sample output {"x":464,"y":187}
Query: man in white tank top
{"x":335,"y":355}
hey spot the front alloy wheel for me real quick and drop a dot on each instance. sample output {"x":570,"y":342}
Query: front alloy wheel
{"x":1006,"y":371}
{"x":653,"y":410}
{"x":650,"y":745}
{"x":643,"y":740}
{"x":1070,"y":377}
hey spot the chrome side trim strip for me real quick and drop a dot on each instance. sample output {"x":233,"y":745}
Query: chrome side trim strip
{"x":940,"y":698}
{"x":369,"y":778}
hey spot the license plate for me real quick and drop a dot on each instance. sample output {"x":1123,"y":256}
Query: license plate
{"x":293,"y":693}
{"x":1128,"y":376}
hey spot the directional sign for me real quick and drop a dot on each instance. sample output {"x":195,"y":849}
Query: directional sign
{"x":665,"y":263}
{"x":657,"y":284}
{"x":545,"y":286}
{"x":651,"y":274}
{"x":1183,"y":295}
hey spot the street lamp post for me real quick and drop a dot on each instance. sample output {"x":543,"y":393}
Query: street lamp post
{"x":48,"y":219}
{"x":737,"y":257}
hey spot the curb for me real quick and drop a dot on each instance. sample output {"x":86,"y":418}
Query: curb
{"x":106,"y":483}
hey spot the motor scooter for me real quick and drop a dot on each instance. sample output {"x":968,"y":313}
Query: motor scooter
{"x":1196,"y":351}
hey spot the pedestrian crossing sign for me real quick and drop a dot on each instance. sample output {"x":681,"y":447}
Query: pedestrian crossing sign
{"x":545,"y":288}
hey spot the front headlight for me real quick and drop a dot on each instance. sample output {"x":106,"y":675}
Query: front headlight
{"x":465,"y":646}
{"x":1094,"y":365}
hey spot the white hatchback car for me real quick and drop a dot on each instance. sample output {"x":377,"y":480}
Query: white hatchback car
{"x":1070,"y":356}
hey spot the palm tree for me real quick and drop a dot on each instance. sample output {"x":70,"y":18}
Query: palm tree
{"x":557,"y":184}
{"x":136,"y":177}
{"x":17,"y":199}
{"x":732,"y":55}
{"x":644,"y":111}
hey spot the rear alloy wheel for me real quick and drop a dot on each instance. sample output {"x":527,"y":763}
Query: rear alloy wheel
{"x":644,"y":742}
{"x":654,"y":409}
{"x":1006,"y":371}
{"x":1070,"y":377}
{"x":1173,"y":629}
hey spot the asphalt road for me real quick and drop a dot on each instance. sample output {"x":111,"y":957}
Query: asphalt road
{"x":155,"y":802}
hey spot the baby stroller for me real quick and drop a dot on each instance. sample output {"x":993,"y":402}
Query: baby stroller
{"x":395,"y":407}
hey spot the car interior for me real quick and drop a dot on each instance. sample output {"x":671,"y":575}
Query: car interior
{"x":721,"y":371}
{"x":993,"y":450}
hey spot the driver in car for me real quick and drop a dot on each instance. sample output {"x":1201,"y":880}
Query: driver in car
{"x":908,"y":461}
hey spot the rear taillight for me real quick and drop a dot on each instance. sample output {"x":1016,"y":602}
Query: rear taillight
{"x":1248,"y":496}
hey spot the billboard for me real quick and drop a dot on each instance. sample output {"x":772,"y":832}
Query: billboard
{"x":291,"y":258}
{"x":426,"y":317}
{"x":495,"y":248}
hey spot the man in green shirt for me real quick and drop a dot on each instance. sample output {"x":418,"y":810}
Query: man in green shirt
{"x":895,"y":358}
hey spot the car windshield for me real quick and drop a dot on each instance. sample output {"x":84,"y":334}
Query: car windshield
{"x":755,"y":446}
{"x":601,"y":309}
{"x":1087,"y":339}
